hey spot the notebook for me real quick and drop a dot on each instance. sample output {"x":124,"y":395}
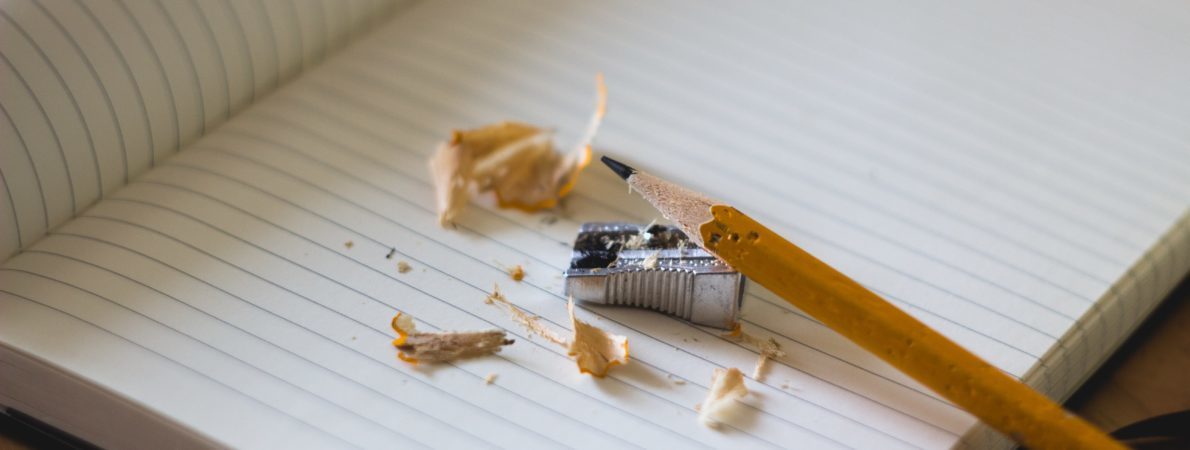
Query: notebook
{"x":201,"y":198}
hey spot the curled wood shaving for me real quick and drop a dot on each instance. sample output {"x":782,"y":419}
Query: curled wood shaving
{"x":768,"y":348}
{"x":531,"y":322}
{"x":415,"y":346}
{"x":727,"y":386}
{"x":515,"y":161}
{"x":403,"y":267}
{"x":595,"y":350}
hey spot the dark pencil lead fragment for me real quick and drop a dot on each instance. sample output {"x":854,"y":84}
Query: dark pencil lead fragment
{"x":621,"y":169}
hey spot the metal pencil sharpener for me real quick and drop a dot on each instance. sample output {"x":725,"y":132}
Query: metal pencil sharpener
{"x":654,"y":267}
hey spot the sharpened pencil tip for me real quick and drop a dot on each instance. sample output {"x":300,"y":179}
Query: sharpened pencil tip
{"x":621,"y":169}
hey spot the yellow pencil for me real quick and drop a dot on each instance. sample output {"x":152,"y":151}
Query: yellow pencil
{"x":845,"y":306}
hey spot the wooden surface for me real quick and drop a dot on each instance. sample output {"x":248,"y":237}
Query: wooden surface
{"x":1148,"y":374}
{"x":1145,"y":378}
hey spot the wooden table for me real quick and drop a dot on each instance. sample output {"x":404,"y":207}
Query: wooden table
{"x":1149,"y":375}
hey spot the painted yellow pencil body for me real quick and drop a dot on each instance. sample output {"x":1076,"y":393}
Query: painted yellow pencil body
{"x":896,"y":337}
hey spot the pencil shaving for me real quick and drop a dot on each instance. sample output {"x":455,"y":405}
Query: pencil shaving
{"x":531,"y":322}
{"x":595,"y":350}
{"x":414,"y":346}
{"x":768,"y":348}
{"x":515,"y":161}
{"x":632,"y":242}
{"x":650,"y":261}
{"x":727,"y":386}
{"x":641,"y":238}
{"x":495,"y":296}
{"x":517,"y":273}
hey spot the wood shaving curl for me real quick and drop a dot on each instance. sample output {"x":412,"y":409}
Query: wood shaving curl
{"x":515,"y":161}
{"x":727,"y":386}
{"x":594,"y":350}
{"x":415,"y":346}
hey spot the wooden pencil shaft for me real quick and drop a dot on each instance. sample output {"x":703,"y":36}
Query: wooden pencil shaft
{"x":896,"y":337}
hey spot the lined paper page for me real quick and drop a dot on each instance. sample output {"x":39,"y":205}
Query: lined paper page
{"x":96,"y":92}
{"x":992,"y":205}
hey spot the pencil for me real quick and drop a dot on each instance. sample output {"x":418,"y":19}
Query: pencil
{"x":860,"y":315}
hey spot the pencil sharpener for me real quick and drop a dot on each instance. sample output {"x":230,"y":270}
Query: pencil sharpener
{"x":654,"y":267}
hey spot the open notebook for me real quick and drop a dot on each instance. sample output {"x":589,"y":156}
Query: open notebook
{"x":1015,"y":175}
